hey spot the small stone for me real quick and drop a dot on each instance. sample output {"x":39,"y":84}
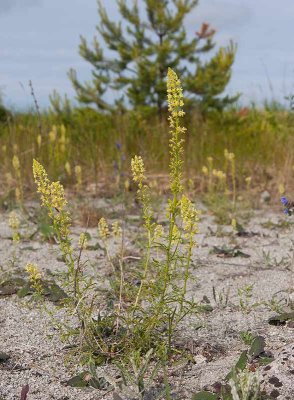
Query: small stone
{"x":3,"y":357}
{"x":199,"y":359}
{"x":265,"y":197}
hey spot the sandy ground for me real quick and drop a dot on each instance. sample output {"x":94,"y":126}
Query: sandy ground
{"x":37,"y":355}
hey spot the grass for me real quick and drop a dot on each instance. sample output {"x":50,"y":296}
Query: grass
{"x":88,"y":149}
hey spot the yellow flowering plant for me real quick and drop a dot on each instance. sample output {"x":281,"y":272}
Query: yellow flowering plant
{"x":149,"y":315}
{"x":35,"y":278}
{"x":76,"y":282}
{"x":18,"y":178}
{"x":14,"y":225}
{"x":167,"y":299}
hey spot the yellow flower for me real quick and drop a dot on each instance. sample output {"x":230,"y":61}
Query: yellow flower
{"x":53,"y":134}
{"x":176,"y":235}
{"x":33,"y":271}
{"x":210,"y":161}
{"x":190,"y":215}
{"x":103,"y":228}
{"x":62,"y":134}
{"x":138,"y":169}
{"x":52,"y":193}
{"x":39,"y":140}
{"x":83,"y":241}
{"x":9,"y":179}
{"x":57,"y":196}
{"x":248,"y":181}
{"x":16,"y":163}
{"x":174,"y":97}
{"x":35,"y":277}
{"x":175,"y":104}
{"x":17,"y":193}
{"x":190,"y":184}
{"x":158,"y":232}
{"x":78,"y":174}
{"x":67,"y":168}
{"x":281,"y":188}
{"x":127,"y":185}
{"x":116,"y":229}
{"x":205,"y":170}
{"x":14,"y":225}
{"x":229,"y":156}
{"x":13,"y":222}
{"x":219,"y":175}
{"x":234,"y":224}
{"x":62,"y":140}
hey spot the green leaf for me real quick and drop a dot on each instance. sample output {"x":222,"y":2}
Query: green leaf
{"x":99,"y":383}
{"x":54,"y":292}
{"x":3,"y":357}
{"x":205,"y":308}
{"x":226,"y":252}
{"x":265,"y":360}
{"x":29,"y":248}
{"x":79,"y":380}
{"x":11,"y":286}
{"x":257,"y":346}
{"x":281,"y":319}
{"x":240,"y":364}
{"x":204,"y":396}
{"x":25,"y":291}
{"x":85,"y":379}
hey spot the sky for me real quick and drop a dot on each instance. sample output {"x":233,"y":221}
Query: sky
{"x":40,"y":39}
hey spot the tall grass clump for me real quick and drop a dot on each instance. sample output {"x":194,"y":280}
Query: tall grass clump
{"x":147,"y":316}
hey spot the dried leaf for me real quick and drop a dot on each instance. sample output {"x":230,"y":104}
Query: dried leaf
{"x":24,"y":392}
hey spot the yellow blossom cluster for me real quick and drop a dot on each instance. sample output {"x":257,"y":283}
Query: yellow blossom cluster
{"x":143,"y":193}
{"x":158,"y":232}
{"x":229,"y":156}
{"x":67,"y":168}
{"x":116,"y":229}
{"x":205,"y":170}
{"x":174,"y":97}
{"x":190,"y":216}
{"x":78,"y":174}
{"x":52,"y":193}
{"x":175,"y":104}
{"x":83,"y":241}
{"x":13,"y":222}
{"x":39,"y":141}
{"x":103,"y":228}
{"x":53,"y":134}
{"x":138,"y":170}
{"x":53,"y":198}
{"x":35,"y":277}
{"x":14,"y":225}
{"x":219,"y":175}
{"x":248,"y":180}
{"x":16,"y":164}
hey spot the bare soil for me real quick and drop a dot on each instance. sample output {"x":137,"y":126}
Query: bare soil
{"x":261,"y":259}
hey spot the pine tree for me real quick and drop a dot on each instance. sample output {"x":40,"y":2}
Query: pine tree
{"x":148,"y":41}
